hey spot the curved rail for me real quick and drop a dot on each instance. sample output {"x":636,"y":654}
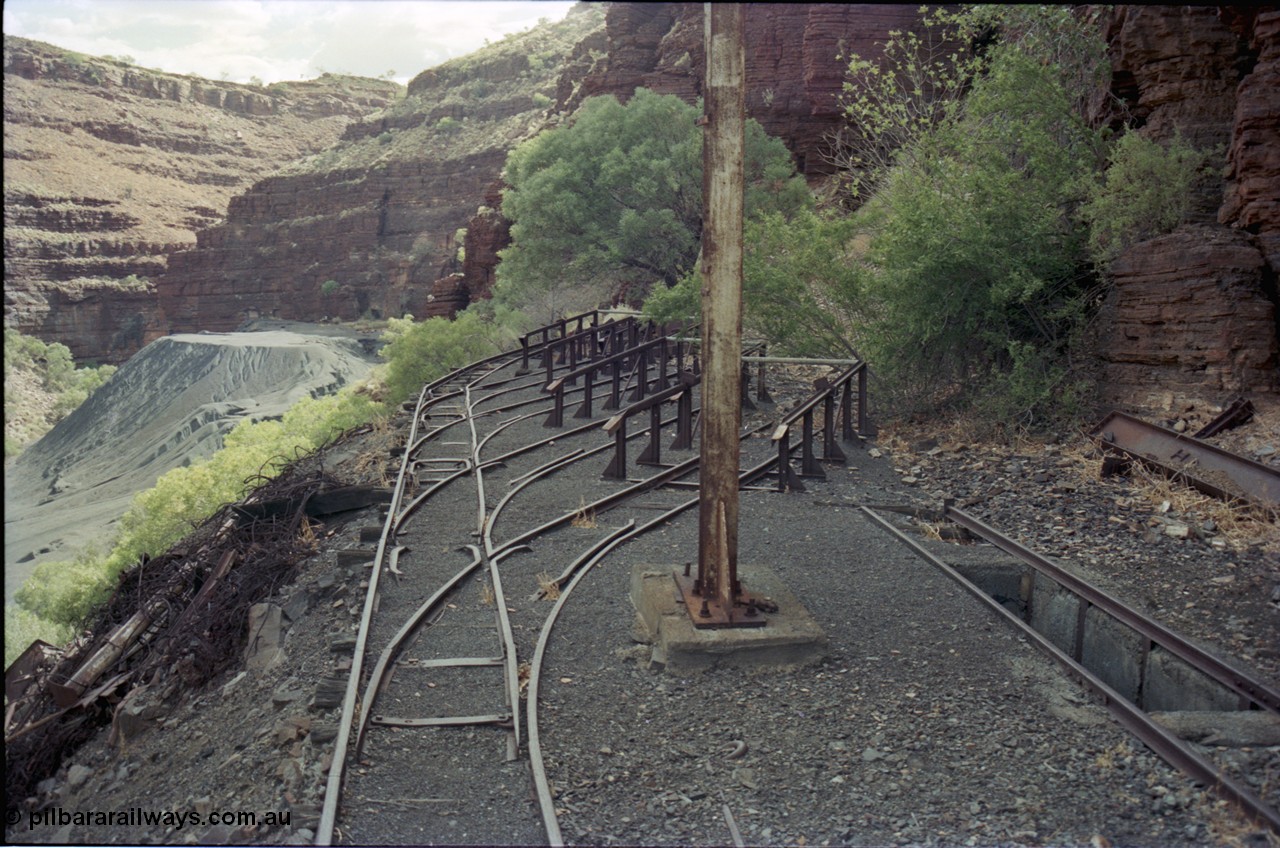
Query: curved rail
{"x":470,"y":389}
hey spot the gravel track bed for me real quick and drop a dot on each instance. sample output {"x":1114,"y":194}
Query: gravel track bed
{"x":928,"y":723}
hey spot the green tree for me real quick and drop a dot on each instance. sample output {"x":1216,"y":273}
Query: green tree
{"x":976,"y":265}
{"x":1147,"y":191}
{"x":612,"y":204}
{"x":802,"y":285}
{"x":418,"y":353}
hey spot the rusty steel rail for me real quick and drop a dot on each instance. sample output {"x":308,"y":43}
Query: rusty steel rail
{"x":359,"y":714}
{"x":567,"y":582}
{"x":333,"y":787}
{"x":1247,"y":686}
{"x":1236,"y":413}
{"x":1202,"y":465}
{"x":1160,"y":740}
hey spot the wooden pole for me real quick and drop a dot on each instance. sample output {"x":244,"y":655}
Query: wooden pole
{"x":722,"y":196}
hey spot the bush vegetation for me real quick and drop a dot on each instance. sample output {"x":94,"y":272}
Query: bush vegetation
{"x":610,"y":206}
{"x":1145,"y":192}
{"x":972,"y":228}
{"x":58,"y":387}
{"x":418,"y":353}
{"x":59,"y":596}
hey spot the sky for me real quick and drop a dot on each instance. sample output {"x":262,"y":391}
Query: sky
{"x":275,"y":40}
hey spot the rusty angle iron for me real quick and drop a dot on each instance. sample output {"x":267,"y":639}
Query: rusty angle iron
{"x":1208,"y":468}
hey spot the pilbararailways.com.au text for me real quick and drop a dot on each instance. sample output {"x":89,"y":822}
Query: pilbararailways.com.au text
{"x":138,"y":817}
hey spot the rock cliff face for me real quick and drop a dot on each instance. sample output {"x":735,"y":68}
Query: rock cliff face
{"x":793,"y":73}
{"x":372,"y":224}
{"x":384,"y":212}
{"x":1192,"y":316}
{"x":110,"y":167}
{"x":386,"y":228}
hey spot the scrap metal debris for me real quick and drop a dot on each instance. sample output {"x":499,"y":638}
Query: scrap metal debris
{"x":173,"y":622}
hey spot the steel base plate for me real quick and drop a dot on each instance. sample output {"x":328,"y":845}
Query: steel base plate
{"x":744,"y":613}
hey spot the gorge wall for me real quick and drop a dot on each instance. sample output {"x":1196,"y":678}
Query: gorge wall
{"x":1192,"y":317}
{"x":109,"y":168}
{"x":373,"y":227}
{"x":372,"y":224}
{"x":383,"y":214}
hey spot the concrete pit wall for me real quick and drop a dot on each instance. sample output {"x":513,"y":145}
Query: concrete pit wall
{"x":1148,"y":676}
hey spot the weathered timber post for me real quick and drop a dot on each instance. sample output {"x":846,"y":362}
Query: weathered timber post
{"x":722,"y":196}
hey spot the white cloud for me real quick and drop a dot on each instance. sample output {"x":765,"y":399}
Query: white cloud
{"x":275,"y":39}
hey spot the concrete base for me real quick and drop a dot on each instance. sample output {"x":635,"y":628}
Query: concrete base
{"x":790,"y":639}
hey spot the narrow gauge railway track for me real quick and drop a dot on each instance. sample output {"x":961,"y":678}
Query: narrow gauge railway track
{"x":467,"y":581}
{"x":469,"y":578}
{"x":1251,"y":692}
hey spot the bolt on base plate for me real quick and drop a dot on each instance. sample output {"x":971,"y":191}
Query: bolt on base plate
{"x":709,"y":612}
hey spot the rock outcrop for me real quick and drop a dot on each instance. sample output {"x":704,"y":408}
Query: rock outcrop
{"x":794,"y":73}
{"x":1192,"y":316}
{"x":109,"y":168}
{"x":1189,"y":320}
{"x":372,"y":224}
{"x":382,"y":213}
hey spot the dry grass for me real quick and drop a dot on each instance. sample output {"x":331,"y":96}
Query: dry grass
{"x":1228,"y":826}
{"x":371,"y":465}
{"x":307,"y":536}
{"x":1238,"y":524}
{"x":523,"y":673}
{"x":548,"y":587}
{"x":486,"y":594}
{"x":1110,"y":757}
{"x":584,"y":519}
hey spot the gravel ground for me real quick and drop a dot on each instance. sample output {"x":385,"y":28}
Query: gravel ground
{"x":929,"y":722}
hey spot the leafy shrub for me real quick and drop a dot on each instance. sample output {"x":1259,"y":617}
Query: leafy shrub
{"x":385,"y":138}
{"x":976,"y":255}
{"x":21,"y":628}
{"x":612,"y":204}
{"x":541,"y":101}
{"x":1147,"y":191}
{"x":418,"y":353}
{"x":27,"y":418}
{"x":802,"y":285}
{"x":329,"y":287}
{"x":448,"y":125}
{"x":63,"y":594}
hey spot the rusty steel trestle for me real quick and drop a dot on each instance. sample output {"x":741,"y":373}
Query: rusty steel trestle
{"x":788,"y":480}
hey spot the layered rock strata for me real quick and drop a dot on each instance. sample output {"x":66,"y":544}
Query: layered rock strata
{"x":373,"y":226}
{"x":110,"y":167}
{"x":794,"y":69}
{"x":1191,"y":317}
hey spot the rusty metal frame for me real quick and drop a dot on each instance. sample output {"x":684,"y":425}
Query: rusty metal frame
{"x":788,"y":479}
{"x":1181,"y":456}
